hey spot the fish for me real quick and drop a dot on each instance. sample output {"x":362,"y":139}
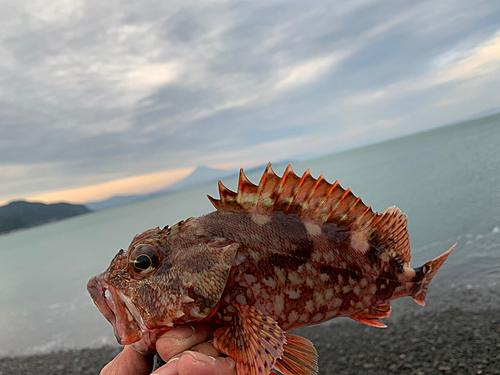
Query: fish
{"x":287,"y":253}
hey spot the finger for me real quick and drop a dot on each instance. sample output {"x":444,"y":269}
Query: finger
{"x":205,"y":348}
{"x":198,"y":363}
{"x":170,"y":368}
{"x":183,"y":338}
{"x":129,"y":362}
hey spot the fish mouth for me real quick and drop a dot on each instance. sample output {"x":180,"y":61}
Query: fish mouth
{"x":117,"y":309}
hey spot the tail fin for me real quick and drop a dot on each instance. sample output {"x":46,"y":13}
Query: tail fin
{"x":429,"y":269}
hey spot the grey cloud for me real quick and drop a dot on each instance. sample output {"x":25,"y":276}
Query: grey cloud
{"x":69,"y":108}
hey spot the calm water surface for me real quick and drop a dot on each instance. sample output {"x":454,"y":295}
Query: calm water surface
{"x":447,"y":181}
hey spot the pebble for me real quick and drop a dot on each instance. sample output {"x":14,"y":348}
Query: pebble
{"x":453,"y":341}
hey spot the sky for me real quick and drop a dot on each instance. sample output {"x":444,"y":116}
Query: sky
{"x":99,"y":98}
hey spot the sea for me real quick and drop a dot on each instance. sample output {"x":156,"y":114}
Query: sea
{"x":446,"y":180}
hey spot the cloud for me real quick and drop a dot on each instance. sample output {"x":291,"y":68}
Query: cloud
{"x":308,"y":71}
{"x":124,"y":186}
{"x":481,"y":62}
{"x":96,"y":91}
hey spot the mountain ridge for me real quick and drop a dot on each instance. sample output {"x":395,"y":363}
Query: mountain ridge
{"x":200,"y":176}
{"x":22,"y":214}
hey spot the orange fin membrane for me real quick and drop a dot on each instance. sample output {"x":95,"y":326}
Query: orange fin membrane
{"x":299,"y":357}
{"x":371,"y":316}
{"x":252,"y":339}
{"x":318,"y":200}
{"x":429,"y":269}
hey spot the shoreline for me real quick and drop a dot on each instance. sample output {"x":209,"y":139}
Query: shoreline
{"x":436,"y":341}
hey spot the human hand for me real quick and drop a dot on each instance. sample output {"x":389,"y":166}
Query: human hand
{"x":186,"y":351}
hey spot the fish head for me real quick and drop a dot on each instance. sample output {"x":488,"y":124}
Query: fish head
{"x":160,"y":281}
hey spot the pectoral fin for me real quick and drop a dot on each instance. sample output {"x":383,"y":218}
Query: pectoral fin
{"x":252,"y":339}
{"x":299,"y":357}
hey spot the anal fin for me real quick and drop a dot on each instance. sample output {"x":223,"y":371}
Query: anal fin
{"x":252,"y":339}
{"x":371,"y":315}
{"x":299,"y":357}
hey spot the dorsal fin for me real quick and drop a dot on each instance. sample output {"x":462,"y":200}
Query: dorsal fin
{"x":318,"y":200}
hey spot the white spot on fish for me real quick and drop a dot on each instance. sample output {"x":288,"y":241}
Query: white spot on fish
{"x":261,"y":219}
{"x":279,"y":304}
{"x":324,"y":277}
{"x":359,"y":242}
{"x":410,"y":273}
{"x":240,"y":258}
{"x":330,"y":314}
{"x":294,"y":278}
{"x":280,"y":273}
{"x":373,"y":289}
{"x":312,"y":228}
{"x":292,"y":293}
{"x":250,"y":279}
{"x":317,"y":317}
{"x":231,"y":309}
{"x":363,"y":283}
{"x":294,"y":315}
{"x":340,"y":278}
{"x":318,"y":298}
{"x":256,"y":289}
{"x":240,"y":298}
{"x":316,"y":256}
{"x":310,"y":306}
{"x":129,"y":316}
{"x":346,"y":289}
{"x":337,"y":302}
{"x":271,"y":283}
{"x":309,"y":282}
{"x":304,"y":318}
{"x":357,"y":289}
{"x":310,"y":268}
{"x":328,"y":294}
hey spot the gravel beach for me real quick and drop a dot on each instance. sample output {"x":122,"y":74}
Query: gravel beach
{"x":452,"y":340}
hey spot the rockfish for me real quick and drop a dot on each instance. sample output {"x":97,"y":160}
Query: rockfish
{"x":288,"y":253}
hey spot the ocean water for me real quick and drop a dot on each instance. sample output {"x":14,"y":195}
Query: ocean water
{"x":446,"y":180}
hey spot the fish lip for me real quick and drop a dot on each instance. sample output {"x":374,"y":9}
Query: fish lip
{"x":116,"y":309}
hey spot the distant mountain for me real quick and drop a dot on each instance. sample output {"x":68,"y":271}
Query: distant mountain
{"x":116,"y":200}
{"x":22,"y":214}
{"x":200,"y":176}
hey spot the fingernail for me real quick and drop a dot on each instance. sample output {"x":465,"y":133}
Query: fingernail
{"x":181,"y":333}
{"x":167,"y":369}
{"x":203,"y":358}
{"x":176,"y":358}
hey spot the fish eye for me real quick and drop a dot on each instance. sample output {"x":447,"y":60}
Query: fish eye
{"x":143,"y":260}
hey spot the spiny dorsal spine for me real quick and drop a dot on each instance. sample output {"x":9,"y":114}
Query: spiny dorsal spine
{"x":318,"y":200}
